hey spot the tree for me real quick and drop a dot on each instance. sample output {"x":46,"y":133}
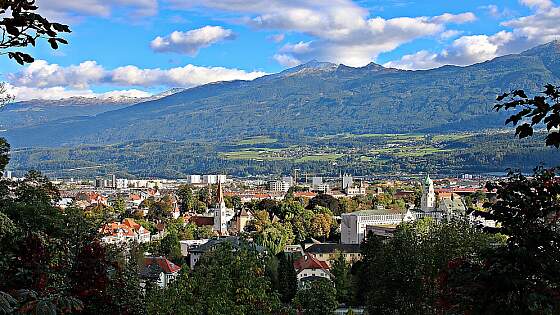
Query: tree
{"x":522,"y":277}
{"x":341,"y":273}
{"x":401,"y":275}
{"x":5,"y":98}
{"x":23,"y":27}
{"x":317,"y":299}
{"x":327,"y":201}
{"x":544,"y":108}
{"x":287,"y":279}
{"x":223,"y":282}
{"x":186,"y":198}
{"x":274,"y":236}
{"x":120,"y":207}
{"x":321,"y":223}
{"x":170,"y":247}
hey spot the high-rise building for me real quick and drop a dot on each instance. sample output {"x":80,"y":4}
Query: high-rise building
{"x":316,"y":182}
{"x":194,"y":179}
{"x":213,"y":179}
{"x":347,"y":181}
{"x":279,"y":185}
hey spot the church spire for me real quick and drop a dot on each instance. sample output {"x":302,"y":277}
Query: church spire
{"x":220,"y":196}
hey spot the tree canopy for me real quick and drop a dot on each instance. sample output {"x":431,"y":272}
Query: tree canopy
{"x":543,"y":108}
{"x":22,"y":26}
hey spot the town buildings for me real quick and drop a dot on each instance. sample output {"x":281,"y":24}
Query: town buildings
{"x":158,"y":270}
{"x":126,"y":231}
{"x":309,"y":268}
{"x":353,"y":225}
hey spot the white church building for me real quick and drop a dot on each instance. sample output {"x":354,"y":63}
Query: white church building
{"x":222,"y":214}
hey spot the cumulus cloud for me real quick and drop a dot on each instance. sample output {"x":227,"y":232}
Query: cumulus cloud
{"x":69,"y":9}
{"x":186,"y":76}
{"x":277,"y":38}
{"x":297,"y":48}
{"x":55,"y":93}
{"x":454,"y":18}
{"x":54,"y":81}
{"x":539,"y":4}
{"x":494,"y":11}
{"x":525,"y":32}
{"x":192,"y":41}
{"x":286,"y":60}
{"x":343,"y":31}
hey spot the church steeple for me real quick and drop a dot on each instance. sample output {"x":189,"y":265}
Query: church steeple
{"x":428,"y":200}
{"x":220,"y":194}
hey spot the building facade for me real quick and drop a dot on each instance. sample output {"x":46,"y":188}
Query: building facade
{"x":353,"y":225}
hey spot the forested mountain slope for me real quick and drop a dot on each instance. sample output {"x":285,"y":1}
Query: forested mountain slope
{"x":315,"y":99}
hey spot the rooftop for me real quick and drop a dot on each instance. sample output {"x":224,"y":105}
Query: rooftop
{"x":333,"y":247}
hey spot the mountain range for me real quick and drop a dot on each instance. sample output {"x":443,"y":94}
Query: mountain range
{"x":312,"y":99}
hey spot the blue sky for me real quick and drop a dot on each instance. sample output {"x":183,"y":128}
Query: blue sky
{"x":140,"y":47}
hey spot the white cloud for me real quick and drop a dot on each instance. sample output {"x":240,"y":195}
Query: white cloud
{"x":277,"y":38}
{"x":342,"y":31}
{"x":79,"y":8}
{"x":56,"y":93}
{"x":420,"y":60}
{"x":538,"y":28}
{"x":41,"y":74}
{"x":454,"y":18}
{"x":192,"y":41}
{"x":450,"y":34}
{"x":186,"y":76}
{"x":539,"y":4}
{"x":286,"y":60}
{"x":297,"y":48}
{"x":495,"y":11}
{"x":41,"y":79}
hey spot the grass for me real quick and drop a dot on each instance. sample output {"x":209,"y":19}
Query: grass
{"x":253,"y":154}
{"x":320,"y":157}
{"x":257,"y":140}
{"x":451,"y":137}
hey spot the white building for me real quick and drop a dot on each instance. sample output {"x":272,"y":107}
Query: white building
{"x":347,"y":181}
{"x":122,"y":183}
{"x":279,"y":185}
{"x":353,"y":225}
{"x":125,"y":232}
{"x":222,"y":215}
{"x":428,"y":200}
{"x":194,"y":179}
{"x":308,"y":267}
{"x":158,"y":270}
{"x":316,"y":182}
{"x":323,"y":188}
{"x":7,"y":174}
{"x":289,"y":179}
{"x":213,"y":179}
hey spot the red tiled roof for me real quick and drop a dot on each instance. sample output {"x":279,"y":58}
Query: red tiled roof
{"x":131,"y":223}
{"x":201,"y":221}
{"x":308,"y":261}
{"x":307,"y":194}
{"x":163,"y":263}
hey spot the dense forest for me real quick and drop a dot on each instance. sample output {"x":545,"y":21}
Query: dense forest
{"x":446,"y":154}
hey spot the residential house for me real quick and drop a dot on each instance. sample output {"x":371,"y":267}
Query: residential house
{"x":309,"y":268}
{"x":329,"y":252}
{"x":125,"y":232}
{"x":158,"y":270}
